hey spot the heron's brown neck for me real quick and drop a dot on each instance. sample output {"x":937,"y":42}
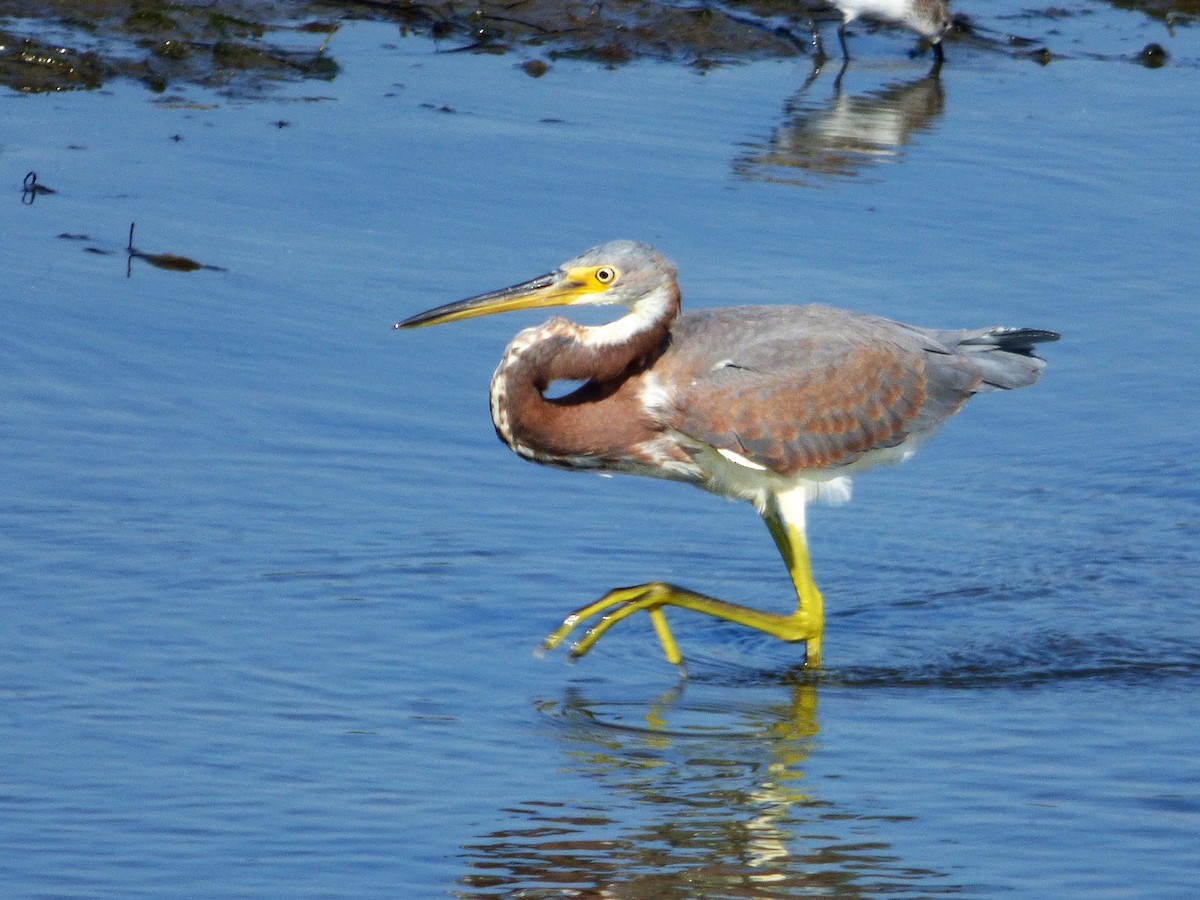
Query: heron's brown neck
{"x":586,"y":427}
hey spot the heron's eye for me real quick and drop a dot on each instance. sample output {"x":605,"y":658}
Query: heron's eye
{"x":606,"y":275}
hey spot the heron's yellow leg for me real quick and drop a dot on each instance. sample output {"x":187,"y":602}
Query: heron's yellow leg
{"x":624,"y":602}
{"x":670,"y":648}
{"x":616,"y":599}
{"x":652,"y":597}
{"x":810,"y":606}
{"x":805,"y":624}
{"x":628,"y":597}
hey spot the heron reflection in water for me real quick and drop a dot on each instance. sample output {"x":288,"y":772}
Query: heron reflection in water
{"x":776,"y":405}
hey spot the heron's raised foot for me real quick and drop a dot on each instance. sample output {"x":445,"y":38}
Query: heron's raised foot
{"x":805,"y":624}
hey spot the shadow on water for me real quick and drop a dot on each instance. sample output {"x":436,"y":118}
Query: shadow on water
{"x":712,"y":803}
{"x":842,"y":135}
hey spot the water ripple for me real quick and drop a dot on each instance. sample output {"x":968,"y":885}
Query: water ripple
{"x":1109,"y":660}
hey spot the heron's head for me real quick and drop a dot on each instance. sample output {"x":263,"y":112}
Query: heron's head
{"x":616,"y":273}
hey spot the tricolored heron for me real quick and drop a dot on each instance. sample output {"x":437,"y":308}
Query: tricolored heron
{"x":778,"y":405}
{"x":928,"y":18}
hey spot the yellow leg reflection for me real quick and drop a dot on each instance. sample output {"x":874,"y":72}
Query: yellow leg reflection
{"x":714,"y":798}
{"x":787,"y":729}
{"x":805,"y":624}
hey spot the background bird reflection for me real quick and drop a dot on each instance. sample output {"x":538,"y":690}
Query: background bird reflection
{"x":843,"y":134}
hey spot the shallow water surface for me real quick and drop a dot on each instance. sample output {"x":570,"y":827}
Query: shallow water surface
{"x":271,"y":587}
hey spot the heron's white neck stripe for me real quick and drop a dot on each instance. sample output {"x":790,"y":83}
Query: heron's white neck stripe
{"x":643,"y":315}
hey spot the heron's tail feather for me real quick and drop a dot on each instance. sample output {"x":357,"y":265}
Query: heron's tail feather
{"x":1011,"y":340}
{"x":1004,"y":355}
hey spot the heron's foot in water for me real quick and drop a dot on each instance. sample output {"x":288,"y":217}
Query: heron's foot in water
{"x":803,"y":625}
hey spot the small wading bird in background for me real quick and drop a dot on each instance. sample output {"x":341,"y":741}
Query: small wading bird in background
{"x":777,"y":405}
{"x":928,"y":18}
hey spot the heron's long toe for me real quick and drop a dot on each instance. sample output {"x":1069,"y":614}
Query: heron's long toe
{"x":802,"y":625}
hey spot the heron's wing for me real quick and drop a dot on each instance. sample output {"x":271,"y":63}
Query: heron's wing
{"x":809,"y":388}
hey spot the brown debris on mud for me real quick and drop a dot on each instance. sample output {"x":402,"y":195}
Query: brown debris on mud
{"x":243,"y":46}
{"x":53,"y":45}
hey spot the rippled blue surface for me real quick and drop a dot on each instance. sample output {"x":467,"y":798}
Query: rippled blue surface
{"x":270,"y":586}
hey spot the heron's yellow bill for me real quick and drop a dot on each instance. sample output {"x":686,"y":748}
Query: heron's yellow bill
{"x":560,"y":288}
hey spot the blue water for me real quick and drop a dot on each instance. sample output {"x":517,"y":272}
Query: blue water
{"x":270,"y":586}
